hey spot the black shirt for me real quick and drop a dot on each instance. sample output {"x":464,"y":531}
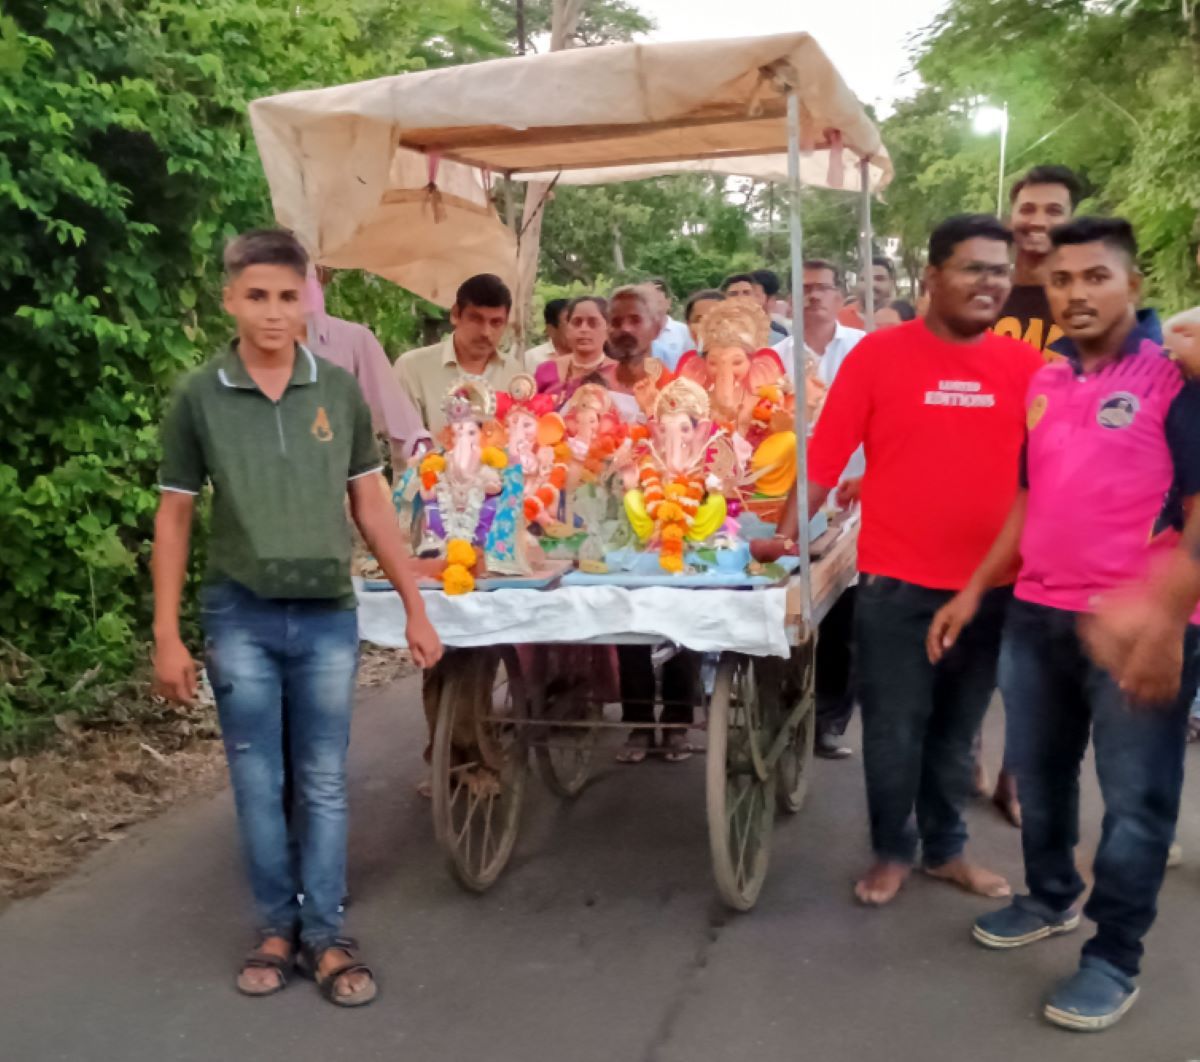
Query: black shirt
{"x":1026,"y":315}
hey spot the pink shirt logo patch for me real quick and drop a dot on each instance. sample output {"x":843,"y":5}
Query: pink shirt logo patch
{"x":1117,"y":410}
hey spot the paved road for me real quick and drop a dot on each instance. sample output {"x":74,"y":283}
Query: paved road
{"x":602,"y":944}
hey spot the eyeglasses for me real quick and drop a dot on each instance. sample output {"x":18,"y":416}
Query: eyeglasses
{"x":819,"y":289}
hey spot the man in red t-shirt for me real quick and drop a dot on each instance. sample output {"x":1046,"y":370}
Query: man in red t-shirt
{"x":939,"y":405}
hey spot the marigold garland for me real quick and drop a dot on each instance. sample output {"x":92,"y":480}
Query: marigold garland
{"x":494,"y":457}
{"x":672,"y":507}
{"x":459,"y":551}
{"x":457,"y":580}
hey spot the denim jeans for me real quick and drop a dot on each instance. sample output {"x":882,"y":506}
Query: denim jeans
{"x":1053,"y":696}
{"x":265,"y":657}
{"x":835,"y":666}
{"x":920,"y":720}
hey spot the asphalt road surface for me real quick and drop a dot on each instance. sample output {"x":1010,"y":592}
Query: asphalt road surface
{"x":602,"y":943}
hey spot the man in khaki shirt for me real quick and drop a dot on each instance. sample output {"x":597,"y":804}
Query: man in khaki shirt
{"x":480,"y":317}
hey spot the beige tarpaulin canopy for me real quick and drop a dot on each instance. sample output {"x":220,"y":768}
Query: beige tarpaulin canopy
{"x":394,"y":175}
{"x":352,"y":168}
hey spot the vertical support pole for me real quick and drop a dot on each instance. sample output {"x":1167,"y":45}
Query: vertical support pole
{"x":866,"y":253}
{"x":799,"y":356}
{"x":510,"y":205}
{"x":517,"y":322}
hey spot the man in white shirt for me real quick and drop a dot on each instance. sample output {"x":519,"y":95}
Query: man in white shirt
{"x":673,"y":340}
{"x":555,"y":318}
{"x":824,"y":334}
{"x":830,"y":342}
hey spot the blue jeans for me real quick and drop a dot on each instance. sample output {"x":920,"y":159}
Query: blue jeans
{"x":920,"y":720}
{"x":1053,"y":696}
{"x":263,"y":655}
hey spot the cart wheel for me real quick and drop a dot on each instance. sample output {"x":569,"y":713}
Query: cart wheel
{"x":565,"y":759}
{"x":477,"y":791}
{"x":740,"y":789}
{"x":795,"y":763}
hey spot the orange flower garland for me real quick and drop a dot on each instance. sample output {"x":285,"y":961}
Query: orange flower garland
{"x":672,"y":508}
{"x":545,"y":498}
{"x":460,"y":559}
{"x":432,"y":466}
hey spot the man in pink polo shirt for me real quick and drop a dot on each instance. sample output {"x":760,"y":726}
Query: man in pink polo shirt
{"x":1111,"y":463}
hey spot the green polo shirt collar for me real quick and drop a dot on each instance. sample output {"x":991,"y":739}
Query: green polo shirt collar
{"x":231,"y":370}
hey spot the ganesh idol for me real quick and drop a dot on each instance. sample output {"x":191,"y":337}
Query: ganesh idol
{"x":597,"y":441}
{"x":673,"y":496}
{"x":748,"y":388}
{"x":534,"y":433}
{"x":463,"y":492}
{"x":751,"y":394}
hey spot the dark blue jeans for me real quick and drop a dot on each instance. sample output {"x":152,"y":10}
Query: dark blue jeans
{"x":920,"y":721}
{"x":265,"y":657}
{"x":1053,"y":696}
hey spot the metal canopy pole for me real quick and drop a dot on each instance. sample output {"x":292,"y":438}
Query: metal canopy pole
{"x":799,"y":357}
{"x":866,"y":237}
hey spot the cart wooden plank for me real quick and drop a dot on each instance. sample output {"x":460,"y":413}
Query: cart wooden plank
{"x":834,"y":566}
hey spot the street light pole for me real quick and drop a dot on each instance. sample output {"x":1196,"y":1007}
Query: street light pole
{"x":990,"y":120}
{"x":1003,"y":154}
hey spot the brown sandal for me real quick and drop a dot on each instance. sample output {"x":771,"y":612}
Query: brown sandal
{"x":310,"y":967}
{"x":265,"y":960}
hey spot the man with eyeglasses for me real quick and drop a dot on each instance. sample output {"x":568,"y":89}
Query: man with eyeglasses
{"x":939,"y":406}
{"x":829,"y":342}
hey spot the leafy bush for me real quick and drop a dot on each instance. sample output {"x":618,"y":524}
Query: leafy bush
{"x":127,"y":161}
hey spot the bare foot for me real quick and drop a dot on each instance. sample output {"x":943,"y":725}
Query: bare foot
{"x":352,"y":983}
{"x":1005,"y":799}
{"x":262,"y":980}
{"x":880,"y":884}
{"x":971,"y":878}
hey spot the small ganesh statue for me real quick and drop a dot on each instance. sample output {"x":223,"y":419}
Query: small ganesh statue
{"x":676,"y":498}
{"x":597,"y":439}
{"x":751,"y":395}
{"x":748,"y":388}
{"x":534,"y":431}
{"x":462,"y":488}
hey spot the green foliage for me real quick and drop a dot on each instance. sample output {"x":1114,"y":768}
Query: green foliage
{"x":600,"y":21}
{"x":126,"y":162}
{"x":1109,"y":89}
{"x":690,"y":230}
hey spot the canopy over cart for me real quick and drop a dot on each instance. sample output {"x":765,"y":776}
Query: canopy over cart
{"x":393,"y":175}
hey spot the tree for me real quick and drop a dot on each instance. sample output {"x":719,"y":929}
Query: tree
{"x":599,"y":22}
{"x":127,"y":160}
{"x":1107,"y":88}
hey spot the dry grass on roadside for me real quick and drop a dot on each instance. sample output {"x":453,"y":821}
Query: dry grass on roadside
{"x":99,"y":777}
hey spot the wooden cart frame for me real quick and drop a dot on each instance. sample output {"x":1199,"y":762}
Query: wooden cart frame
{"x":761,"y":721}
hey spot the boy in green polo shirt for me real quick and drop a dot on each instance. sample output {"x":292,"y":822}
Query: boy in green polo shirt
{"x":283,"y":437}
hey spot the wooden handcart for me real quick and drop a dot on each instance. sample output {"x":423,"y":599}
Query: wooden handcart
{"x":497,"y":708}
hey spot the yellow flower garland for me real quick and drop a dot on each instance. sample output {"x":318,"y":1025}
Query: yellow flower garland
{"x":457,"y":580}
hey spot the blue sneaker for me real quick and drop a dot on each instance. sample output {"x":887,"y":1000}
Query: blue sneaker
{"x":1096,"y":996}
{"x":1022,"y":922}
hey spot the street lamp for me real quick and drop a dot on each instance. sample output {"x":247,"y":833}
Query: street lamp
{"x":990,"y":120}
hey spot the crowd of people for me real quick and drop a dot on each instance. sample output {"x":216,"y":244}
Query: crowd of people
{"x":1025,"y":455}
